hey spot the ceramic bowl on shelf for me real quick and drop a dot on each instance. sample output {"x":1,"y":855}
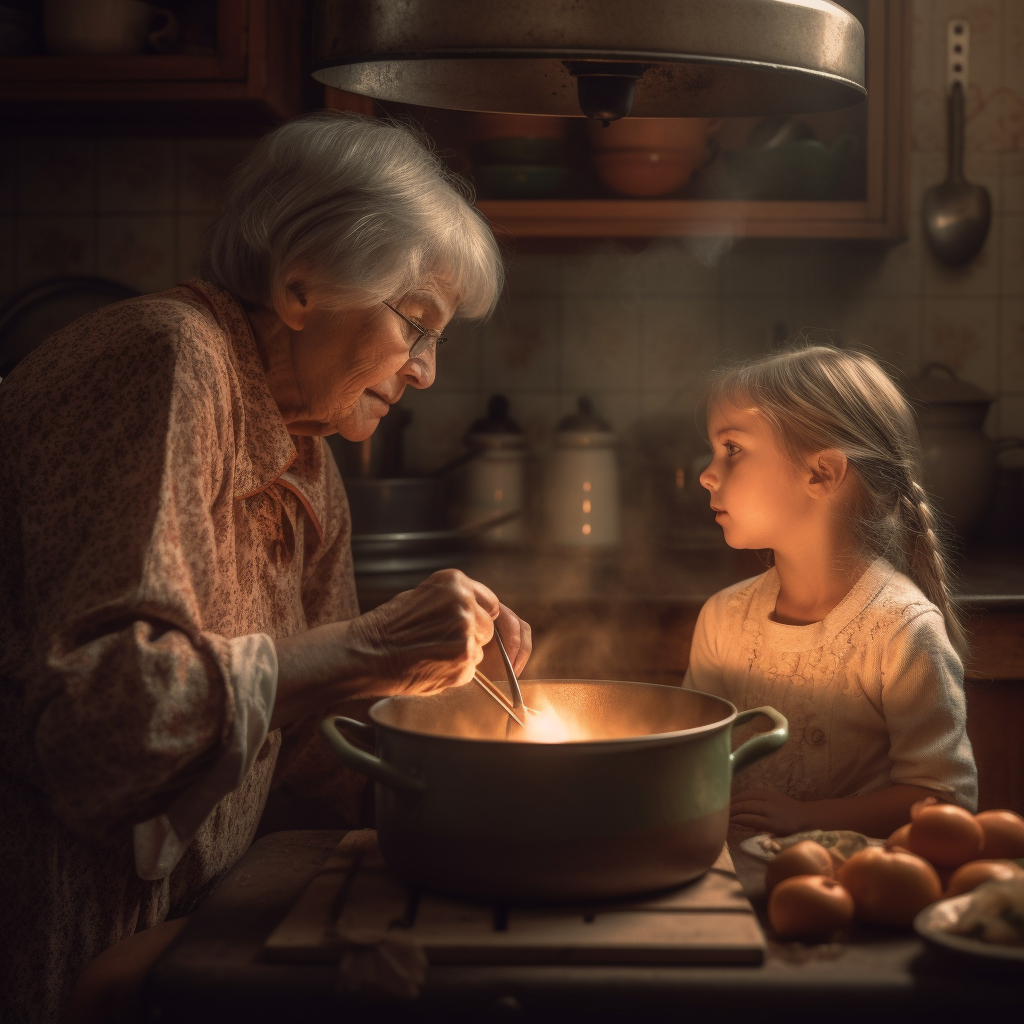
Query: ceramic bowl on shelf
{"x":521,"y":181}
{"x":483,"y":127}
{"x":654,"y":133}
{"x":650,"y":156}
{"x":642,"y":173}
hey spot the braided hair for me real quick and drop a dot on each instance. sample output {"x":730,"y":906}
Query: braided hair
{"x":817,"y":397}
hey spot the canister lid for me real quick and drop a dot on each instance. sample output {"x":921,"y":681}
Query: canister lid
{"x":497,"y":429}
{"x":584,"y":427}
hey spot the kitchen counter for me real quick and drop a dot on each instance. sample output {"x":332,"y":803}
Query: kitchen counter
{"x":213,"y":972}
{"x":991,"y":576}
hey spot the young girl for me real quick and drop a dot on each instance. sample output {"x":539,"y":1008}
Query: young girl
{"x":852,"y":634}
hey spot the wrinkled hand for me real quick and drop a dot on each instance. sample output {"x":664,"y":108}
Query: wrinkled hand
{"x":767,"y":810}
{"x":518,"y":641}
{"x":433,"y":637}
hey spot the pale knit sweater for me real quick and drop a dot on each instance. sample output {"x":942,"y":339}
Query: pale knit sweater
{"x":873,"y":693}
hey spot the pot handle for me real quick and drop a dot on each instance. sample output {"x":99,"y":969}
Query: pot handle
{"x":367,"y":764}
{"x":762,"y":745}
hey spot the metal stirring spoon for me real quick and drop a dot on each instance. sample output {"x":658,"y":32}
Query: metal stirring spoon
{"x":510,"y":672}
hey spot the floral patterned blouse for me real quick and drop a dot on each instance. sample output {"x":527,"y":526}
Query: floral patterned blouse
{"x":160,"y":528}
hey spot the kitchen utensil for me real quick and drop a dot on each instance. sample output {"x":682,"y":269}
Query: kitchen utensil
{"x":418,"y":551}
{"x":956,"y":213}
{"x":604,"y":58}
{"x":641,"y":804}
{"x":491,"y":690}
{"x":958,"y":458}
{"x":493,"y":480}
{"x":44,"y":308}
{"x":510,"y":673}
{"x":583,"y":482}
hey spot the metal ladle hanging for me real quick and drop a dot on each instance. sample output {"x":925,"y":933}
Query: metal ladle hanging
{"x":956,"y":213}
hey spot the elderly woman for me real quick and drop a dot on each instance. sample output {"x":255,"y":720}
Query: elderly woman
{"x":176,"y":583}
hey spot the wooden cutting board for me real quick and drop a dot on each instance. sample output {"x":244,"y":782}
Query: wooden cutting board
{"x":354,"y":901}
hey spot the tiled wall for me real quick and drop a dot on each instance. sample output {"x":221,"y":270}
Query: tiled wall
{"x":634,"y":329}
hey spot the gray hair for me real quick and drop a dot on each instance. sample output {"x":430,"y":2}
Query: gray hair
{"x":817,"y":397}
{"x":364,"y":207}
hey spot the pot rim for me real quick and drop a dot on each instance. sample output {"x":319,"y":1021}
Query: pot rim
{"x":646,"y":738}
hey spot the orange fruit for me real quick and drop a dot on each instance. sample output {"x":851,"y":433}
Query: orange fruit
{"x":944,"y":834}
{"x":804,"y":858}
{"x":901,"y":837}
{"x":809,"y":907}
{"x":889,"y":887}
{"x":1004,"y":833}
{"x":969,"y":876}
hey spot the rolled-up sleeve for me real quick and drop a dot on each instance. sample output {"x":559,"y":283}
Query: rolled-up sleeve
{"x":140,"y":715}
{"x":926,"y":712}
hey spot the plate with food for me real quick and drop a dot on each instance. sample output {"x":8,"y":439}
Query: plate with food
{"x":987,"y":922}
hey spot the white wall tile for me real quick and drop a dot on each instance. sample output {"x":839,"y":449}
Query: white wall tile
{"x":54,"y":247}
{"x":1011,"y":344}
{"x":680,"y":341}
{"x":137,"y":250}
{"x":459,"y":358}
{"x":135,"y":176}
{"x":203,"y":168}
{"x":520,"y":345}
{"x":963,"y":334}
{"x":601,"y":344}
{"x":56,"y":176}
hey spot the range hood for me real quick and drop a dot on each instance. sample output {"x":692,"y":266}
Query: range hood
{"x":599,"y":58}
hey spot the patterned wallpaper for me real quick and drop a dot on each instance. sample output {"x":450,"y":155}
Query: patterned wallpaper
{"x":633,"y":327}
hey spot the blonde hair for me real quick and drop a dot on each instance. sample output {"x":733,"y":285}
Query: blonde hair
{"x":817,"y":397}
{"x":364,"y":205}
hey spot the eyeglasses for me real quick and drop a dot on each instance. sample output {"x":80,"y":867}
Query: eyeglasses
{"x":429,"y":337}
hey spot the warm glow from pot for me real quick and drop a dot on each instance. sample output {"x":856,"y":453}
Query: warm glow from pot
{"x":546,"y":725}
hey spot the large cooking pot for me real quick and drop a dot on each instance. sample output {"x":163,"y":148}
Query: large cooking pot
{"x":640,"y":804}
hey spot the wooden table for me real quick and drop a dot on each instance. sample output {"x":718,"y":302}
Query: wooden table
{"x":214,"y":972}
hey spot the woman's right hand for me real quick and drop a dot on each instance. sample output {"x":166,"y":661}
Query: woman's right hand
{"x":429,"y":638}
{"x":421,"y":641}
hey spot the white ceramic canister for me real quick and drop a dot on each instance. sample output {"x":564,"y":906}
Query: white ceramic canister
{"x":495,"y":476}
{"x":583,"y":483}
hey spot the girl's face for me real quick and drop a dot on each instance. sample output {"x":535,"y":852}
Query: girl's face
{"x":761,"y":499}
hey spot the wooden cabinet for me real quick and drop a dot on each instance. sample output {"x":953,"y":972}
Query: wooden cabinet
{"x":253,"y":78}
{"x":872,"y":206}
{"x":879,"y":212}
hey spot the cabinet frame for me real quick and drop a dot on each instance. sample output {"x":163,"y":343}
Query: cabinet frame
{"x":256,"y":64}
{"x":881,"y":215}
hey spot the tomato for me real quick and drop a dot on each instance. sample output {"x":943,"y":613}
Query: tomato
{"x":944,"y":834}
{"x":804,"y":858}
{"x":809,"y":907}
{"x":889,"y":886}
{"x":901,"y":837}
{"x":1004,"y":833}
{"x":971,"y":875}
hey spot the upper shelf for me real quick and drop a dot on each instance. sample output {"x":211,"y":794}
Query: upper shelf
{"x":254,"y":73}
{"x":878,"y":212}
